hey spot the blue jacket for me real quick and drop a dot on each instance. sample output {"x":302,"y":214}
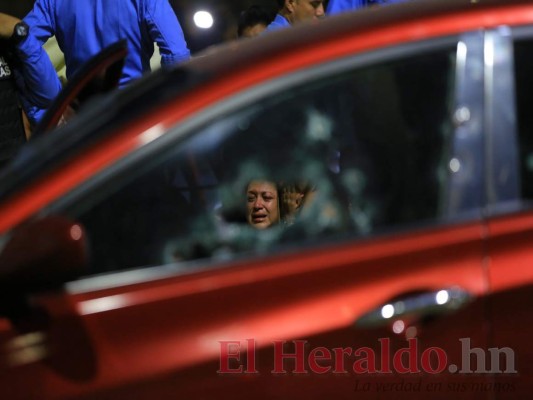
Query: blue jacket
{"x":36,"y":78}
{"x":279,"y":22}
{"x":85,"y":27}
{"x":337,"y":6}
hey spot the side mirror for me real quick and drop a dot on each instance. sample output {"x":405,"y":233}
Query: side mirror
{"x":42,"y":255}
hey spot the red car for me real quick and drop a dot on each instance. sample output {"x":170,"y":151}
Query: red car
{"x":130,"y":266}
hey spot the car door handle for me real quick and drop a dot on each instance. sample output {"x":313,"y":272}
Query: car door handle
{"x":416,"y":306}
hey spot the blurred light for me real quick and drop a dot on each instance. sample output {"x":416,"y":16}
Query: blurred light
{"x":203,"y":19}
{"x":398,"y":326}
{"x":489,"y":51}
{"x":399,"y":307}
{"x":455,"y":165}
{"x":151,"y":134}
{"x":462,"y":51}
{"x":462,"y":115}
{"x":26,"y":349}
{"x":411,"y":332}
{"x":102,"y":305}
{"x":76,"y":232}
{"x":23,"y":341}
{"x":387,"y":311}
{"x":442,"y":297}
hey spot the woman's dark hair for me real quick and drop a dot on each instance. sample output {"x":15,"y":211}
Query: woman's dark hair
{"x":253,"y":16}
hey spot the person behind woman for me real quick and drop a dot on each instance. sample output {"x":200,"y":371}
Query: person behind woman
{"x":269,"y":203}
{"x":293,"y":198}
{"x":291,"y":12}
{"x":253,"y":21}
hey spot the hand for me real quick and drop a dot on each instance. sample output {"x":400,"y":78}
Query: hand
{"x":7,"y":24}
{"x":292,"y":198}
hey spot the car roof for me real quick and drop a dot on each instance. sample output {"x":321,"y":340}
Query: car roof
{"x":109,"y":112}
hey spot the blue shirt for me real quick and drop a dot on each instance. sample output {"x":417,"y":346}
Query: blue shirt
{"x":84,"y":27}
{"x":337,"y":6}
{"x":36,"y":78}
{"x":279,"y":22}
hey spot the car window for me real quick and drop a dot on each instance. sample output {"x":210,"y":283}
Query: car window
{"x":370,"y":145}
{"x":524,"y":100}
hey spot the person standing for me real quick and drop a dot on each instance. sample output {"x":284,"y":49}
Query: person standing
{"x":291,"y":12}
{"x":253,"y":21}
{"x":28,"y":82}
{"x":84,"y":28}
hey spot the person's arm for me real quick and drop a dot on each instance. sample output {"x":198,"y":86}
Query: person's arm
{"x":166,"y":31}
{"x":41,"y":20}
{"x":42,"y":85}
{"x":35,"y":75}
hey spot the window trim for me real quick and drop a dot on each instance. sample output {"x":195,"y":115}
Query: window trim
{"x":467,"y":157}
{"x":502,"y":178}
{"x":240,"y":100}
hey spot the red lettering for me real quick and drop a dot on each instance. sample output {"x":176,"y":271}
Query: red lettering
{"x":250,"y":357}
{"x":298,"y":357}
{"x":385,"y":355}
{"x":226,"y":354}
{"x":320,"y":353}
{"x":412,"y":358}
{"x":442,"y":360}
{"x":366,"y":364}
{"x":339,"y":359}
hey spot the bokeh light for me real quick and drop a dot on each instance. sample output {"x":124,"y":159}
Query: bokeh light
{"x":203,"y":19}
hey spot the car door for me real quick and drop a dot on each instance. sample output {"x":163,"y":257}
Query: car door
{"x":510,"y":215}
{"x":376,"y":290}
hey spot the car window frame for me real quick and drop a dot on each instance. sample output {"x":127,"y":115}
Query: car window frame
{"x":196,"y":122}
{"x":503,"y":146}
{"x":501,"y":122}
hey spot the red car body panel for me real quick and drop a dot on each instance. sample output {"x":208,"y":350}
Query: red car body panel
{"x":298,"y":288}
{"x":161,"y":337}
{"x":511,"y":279}
{"x":510,"y":246}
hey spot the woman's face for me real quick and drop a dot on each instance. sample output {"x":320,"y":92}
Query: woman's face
{"x":262,"y":206}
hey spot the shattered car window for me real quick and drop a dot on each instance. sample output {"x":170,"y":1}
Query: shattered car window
{"x":349,"y":155}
